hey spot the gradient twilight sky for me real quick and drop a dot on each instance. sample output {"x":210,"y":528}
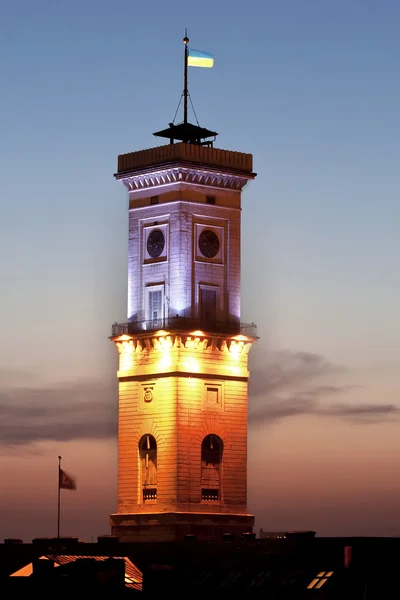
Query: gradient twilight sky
{"x":311,"y":88}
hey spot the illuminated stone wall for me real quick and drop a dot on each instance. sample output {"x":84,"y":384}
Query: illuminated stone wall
{"x":179,"y":383}
{"x":181,"y":214}
{"x":178,"y":371}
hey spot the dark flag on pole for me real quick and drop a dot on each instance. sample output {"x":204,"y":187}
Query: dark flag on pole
{"x":65,"y":481}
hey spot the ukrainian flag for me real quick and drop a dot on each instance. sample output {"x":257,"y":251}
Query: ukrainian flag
{"x":200,"y":59}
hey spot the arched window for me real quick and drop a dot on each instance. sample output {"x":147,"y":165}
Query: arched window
{"x":211,"y":462}
{"x":148,"y":468}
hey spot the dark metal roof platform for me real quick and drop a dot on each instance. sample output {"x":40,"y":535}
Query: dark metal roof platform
{"x":187,"y":133}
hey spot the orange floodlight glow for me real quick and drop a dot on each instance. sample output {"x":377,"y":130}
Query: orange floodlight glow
{"x":193,"y":365}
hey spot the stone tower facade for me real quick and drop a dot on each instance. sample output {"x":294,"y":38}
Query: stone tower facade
{"x":183,"y":373}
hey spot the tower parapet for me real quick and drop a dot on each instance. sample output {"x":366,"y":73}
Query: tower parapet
{"x":185,"y":154}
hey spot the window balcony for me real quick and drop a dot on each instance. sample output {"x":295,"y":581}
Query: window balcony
{"x":184,"y":324}
{"x":149,"y":495}
{"x":209,"y":495}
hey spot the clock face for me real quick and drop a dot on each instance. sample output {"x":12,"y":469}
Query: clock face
{"x":208,"y":243}
{"x":155,"y":243}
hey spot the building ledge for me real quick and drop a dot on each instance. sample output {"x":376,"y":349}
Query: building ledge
{"x":181,"y":153}
{"x":183,"y":325}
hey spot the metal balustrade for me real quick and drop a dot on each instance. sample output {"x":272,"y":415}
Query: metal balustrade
{"x":184,"y":324}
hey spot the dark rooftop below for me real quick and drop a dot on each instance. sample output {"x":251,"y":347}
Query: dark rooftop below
{"x":291,"y":568}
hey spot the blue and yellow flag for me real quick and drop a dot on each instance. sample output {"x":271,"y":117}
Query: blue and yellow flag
{"x":196,"y":58}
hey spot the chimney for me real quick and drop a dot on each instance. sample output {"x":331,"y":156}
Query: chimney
{"x":347,"y":556}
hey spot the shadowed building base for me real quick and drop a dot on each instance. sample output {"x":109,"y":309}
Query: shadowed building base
{"x":167,"y":527}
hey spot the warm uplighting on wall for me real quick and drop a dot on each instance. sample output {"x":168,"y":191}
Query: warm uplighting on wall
{"x":192,"y":365}
{"x":236,"y":348}
{"x":161,"y":333}
{"x":189,"y":353}
{"x":236,"y":371}
{"x":165,"y":360}
{"x":126,"y":350}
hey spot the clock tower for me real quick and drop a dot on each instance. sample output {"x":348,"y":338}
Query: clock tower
{"x":183,"y":351}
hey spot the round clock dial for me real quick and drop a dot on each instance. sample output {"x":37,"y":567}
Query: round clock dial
{"x":155,"y":243}
{"x":208,"y":243}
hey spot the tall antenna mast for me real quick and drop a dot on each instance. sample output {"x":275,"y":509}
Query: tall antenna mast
{"x":185,"y":79}
{"x":187,"y":132}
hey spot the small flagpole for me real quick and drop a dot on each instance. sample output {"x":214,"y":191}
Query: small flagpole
{"x":59,"y":497}
{"x":185,"y":79}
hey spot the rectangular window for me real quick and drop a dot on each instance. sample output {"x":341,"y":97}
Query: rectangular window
{"x":212,"y":395}
{"x":210,"y":199}
{"x":208,"y":306}
{"x":155,"y":307}
{"x":154,"y":199}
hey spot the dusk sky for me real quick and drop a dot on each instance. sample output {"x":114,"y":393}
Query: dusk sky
{"x":311,"y":88}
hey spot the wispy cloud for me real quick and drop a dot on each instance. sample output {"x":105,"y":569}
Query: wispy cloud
{"x":285,"y":369}
{"x":362,"y":410}
{"x":14,"y":377}
{"x":287,"y":386}
{"x":81,"y":410}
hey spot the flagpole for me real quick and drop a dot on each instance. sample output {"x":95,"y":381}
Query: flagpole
{"x":59,"y":498}
{"x":185,"y":79}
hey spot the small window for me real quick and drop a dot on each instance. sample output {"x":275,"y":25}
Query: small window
{"x":208,"y":306}
{"x":154,"y":199}
{"x":154,"y":307}
{"x":210,"y":199}
{"x":212,"y":395}
{"x":319,"y":580}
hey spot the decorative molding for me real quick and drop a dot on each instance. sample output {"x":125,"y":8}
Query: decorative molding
{"x":197,"y":176}
{"x":129,"y":345}
{"x":148,"y":426}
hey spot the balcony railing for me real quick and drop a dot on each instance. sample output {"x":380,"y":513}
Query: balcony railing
{"x":184,"y":324}
{"x":210,"y":494}
{"x":149,"y":494}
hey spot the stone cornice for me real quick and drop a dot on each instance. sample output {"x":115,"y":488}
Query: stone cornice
{"x":239,"y":344}
{"x":196,"y":175}
{"x":183,"y":354}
